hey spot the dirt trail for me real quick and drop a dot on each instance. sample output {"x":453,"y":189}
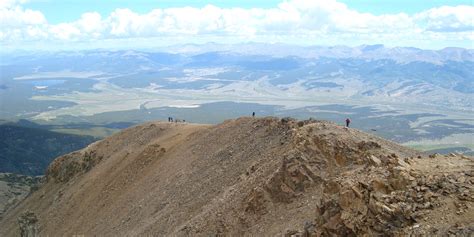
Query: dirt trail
{"x":250,"y":177}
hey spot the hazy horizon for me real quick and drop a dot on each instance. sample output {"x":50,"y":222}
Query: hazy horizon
{"x":163,"y":48}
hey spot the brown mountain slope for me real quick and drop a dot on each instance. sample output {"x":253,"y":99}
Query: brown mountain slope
{"x":249,"y":177}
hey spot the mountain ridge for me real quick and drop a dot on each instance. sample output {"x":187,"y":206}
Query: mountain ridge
{"x":376,"y":52}
{"x":400,"y":54}
{"x":249,"y":176}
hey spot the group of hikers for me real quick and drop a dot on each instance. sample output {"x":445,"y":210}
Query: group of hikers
{"x":348,"y":120}
{"x":170,"y":119}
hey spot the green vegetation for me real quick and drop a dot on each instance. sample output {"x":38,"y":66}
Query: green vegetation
{"x":23,"y":180}
{"x":97,"y":132}
{"x":28,"y":151}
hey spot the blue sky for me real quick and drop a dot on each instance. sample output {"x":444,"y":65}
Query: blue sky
{"x":101,"y":23}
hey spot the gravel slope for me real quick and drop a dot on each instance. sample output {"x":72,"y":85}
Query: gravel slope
{"x":247,"y":176}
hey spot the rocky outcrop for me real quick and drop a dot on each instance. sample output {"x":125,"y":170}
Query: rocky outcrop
{"x":254,"y":177}
{"x":70,"y":165}
{"x":14,"y":188}
{"x":362,"y":190}
{"x":28,"y":223}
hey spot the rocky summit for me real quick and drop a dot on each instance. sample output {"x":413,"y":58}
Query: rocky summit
{"x":251,"y":177}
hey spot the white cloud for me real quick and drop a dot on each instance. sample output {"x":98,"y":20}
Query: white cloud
{"x":91,"y":23}
{"x":309,"y":20}
{"x":448,"y":19}
{"x":11,"y":3}
{"x":65,"y":31}
{"x":17,"y":23}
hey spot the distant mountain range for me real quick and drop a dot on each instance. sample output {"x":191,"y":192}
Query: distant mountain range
{"x":374,"y":72}
{"x":372,"y":52}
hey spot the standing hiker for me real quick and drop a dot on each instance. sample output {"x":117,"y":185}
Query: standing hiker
{"x":348,"y":121}
{"x":253,"y":114}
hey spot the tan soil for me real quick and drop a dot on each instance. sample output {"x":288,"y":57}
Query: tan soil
{"x":252,"y":177}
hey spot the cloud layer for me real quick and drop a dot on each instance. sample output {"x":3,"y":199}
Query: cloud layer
{"x":307,"y":20}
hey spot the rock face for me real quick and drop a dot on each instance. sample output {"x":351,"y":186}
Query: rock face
{"x":253,"y":177}
{"x":14,"y":188}
{"x":28,"y":224}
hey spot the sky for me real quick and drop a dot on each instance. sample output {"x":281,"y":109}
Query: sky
{"x":77,"y":24}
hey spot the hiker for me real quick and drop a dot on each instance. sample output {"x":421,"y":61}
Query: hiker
{"x":348,"y":121}
{"x":253,"y":115}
